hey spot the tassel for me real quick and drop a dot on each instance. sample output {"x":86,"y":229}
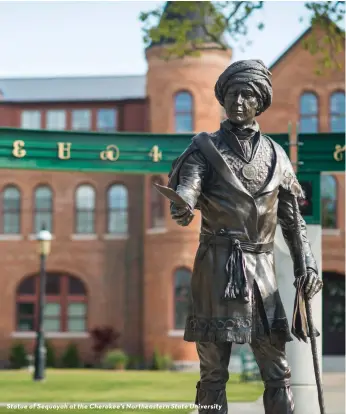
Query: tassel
{"x":237,"y":285}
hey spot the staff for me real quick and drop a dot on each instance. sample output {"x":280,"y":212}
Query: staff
{"x":303,"y":297}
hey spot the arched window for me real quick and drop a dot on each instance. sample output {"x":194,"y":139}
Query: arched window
{"x":337,"y":112}
{"x":183,"y":106}
{"x":328,"y":201}
{"x":85,"y":209}
{"x":117,"y":209}
{"x":43,"y":213}
{"x":308,"y":113}
{"x":182,"y":281}
{"x":157,"y":205}
{"x":11,"y":210}
{"x":65,"y":304}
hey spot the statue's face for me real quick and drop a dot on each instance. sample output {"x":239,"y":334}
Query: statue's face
{"x":241,"y":104}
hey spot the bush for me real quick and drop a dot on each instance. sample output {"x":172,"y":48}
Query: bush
{"x":161,"y":362}
{"x":70,"y":358}
{"x":18,"y":356}
{"x":136,"y":363}
{"x":104,"y":338}
{"x":115,"y":359}
{"x":50,"y":355}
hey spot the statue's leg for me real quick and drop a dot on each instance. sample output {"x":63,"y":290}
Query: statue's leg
{"x":276,"y":374}
{"x":211,"y":389}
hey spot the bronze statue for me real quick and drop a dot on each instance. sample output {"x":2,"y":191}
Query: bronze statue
{"x":244,"y":184}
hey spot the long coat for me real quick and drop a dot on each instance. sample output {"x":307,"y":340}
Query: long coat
{"x":207,"y":182}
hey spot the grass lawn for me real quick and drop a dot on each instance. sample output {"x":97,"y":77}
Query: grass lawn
{"x":112,"y":386}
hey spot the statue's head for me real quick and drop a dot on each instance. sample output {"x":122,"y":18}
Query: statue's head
{"x":244,"y":89}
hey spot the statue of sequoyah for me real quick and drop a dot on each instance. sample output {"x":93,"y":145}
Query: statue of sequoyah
{"x":244,"y":184}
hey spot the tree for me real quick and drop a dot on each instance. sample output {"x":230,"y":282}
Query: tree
{"x":189,"y":27}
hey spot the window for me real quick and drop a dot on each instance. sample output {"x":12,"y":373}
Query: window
{"x":308,"y":113}
{"x":30,"y":120}
{"x":329,"y":201}
{"x":85,"y":210}
{"x":183,"y":112}
{"x":337,"y":112}
{"x":11,"y":210}
{"x":56,"y":120}
{"x":107,"y":120}
{"x":157,"y":205}
{"x":182,"y":280}
{"x":43,"y":213}
{"x":65,"y":309}
{"x":117,"y":206}
{"x":81,"y":120}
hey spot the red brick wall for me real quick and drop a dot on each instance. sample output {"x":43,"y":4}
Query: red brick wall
{"x":111,"y":283}
{"x":111,"y":269}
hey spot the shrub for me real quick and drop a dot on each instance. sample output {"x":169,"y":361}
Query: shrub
{"x":161,"y":362}
{"x":104,"y":338}
{"x":136,"y":363}
{"x":50,"y":355}
{"x":116,"y":359}
{"x":166,"y":362}
{"x":18,"y":356}
{"x":70,"y":358}
{"x":156,"y":360}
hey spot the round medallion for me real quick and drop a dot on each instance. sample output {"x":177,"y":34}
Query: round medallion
{"x":249,"y":171}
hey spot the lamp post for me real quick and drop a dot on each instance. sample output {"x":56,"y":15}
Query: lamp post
{"x":44,"y":238}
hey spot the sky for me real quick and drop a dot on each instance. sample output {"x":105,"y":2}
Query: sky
{"x":62,"y":38}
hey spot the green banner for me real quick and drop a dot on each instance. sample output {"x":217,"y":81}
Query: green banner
{"x":130,"y":153}
{"x":321,"y":152}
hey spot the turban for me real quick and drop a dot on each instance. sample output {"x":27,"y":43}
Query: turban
{"x":252,"y":72}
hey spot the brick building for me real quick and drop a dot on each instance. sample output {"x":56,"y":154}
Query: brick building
{"x":117,"y":258}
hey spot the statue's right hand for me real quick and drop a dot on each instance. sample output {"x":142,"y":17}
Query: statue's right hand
{"x":182,"y":215}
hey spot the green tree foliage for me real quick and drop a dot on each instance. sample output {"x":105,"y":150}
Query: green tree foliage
{"x":189,"y":27}
{"x":329,"y":41}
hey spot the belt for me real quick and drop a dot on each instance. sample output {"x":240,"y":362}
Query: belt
{"x":246,"y":246}
{"x":237,"y":286}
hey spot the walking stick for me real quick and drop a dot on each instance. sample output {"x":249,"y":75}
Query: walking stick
{"x":307,"y":301}
{"x":315,"y":355}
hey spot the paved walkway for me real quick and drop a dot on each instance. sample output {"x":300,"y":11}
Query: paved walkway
{"x":334,"y":396}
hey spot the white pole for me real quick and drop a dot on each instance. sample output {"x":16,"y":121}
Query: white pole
{"x":299,"y":353}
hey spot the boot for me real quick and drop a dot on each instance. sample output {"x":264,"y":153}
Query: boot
{"x":211,"y":399}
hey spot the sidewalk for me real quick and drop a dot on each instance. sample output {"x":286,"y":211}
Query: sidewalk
{"x":334,"y":395}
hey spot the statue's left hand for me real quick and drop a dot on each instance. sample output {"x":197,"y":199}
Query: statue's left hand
{"x":313,"y":284}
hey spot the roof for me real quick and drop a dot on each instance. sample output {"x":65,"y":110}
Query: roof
{"x":63,"y":89}
{"x":296,"y":42}
{"x":290,"y":47}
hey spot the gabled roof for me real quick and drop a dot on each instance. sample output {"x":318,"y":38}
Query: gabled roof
{"x":69,"y":89}
{"x":290,"y":47}
{"x":296,"y":42}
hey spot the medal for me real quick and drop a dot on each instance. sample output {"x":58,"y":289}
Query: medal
{"x":249,"y":171}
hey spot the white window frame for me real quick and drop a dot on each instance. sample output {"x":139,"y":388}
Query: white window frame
{"x":78,"y":123}
{"x":30,"y":119}
{"x":56,"y":119}
{"x":115,"y":111}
